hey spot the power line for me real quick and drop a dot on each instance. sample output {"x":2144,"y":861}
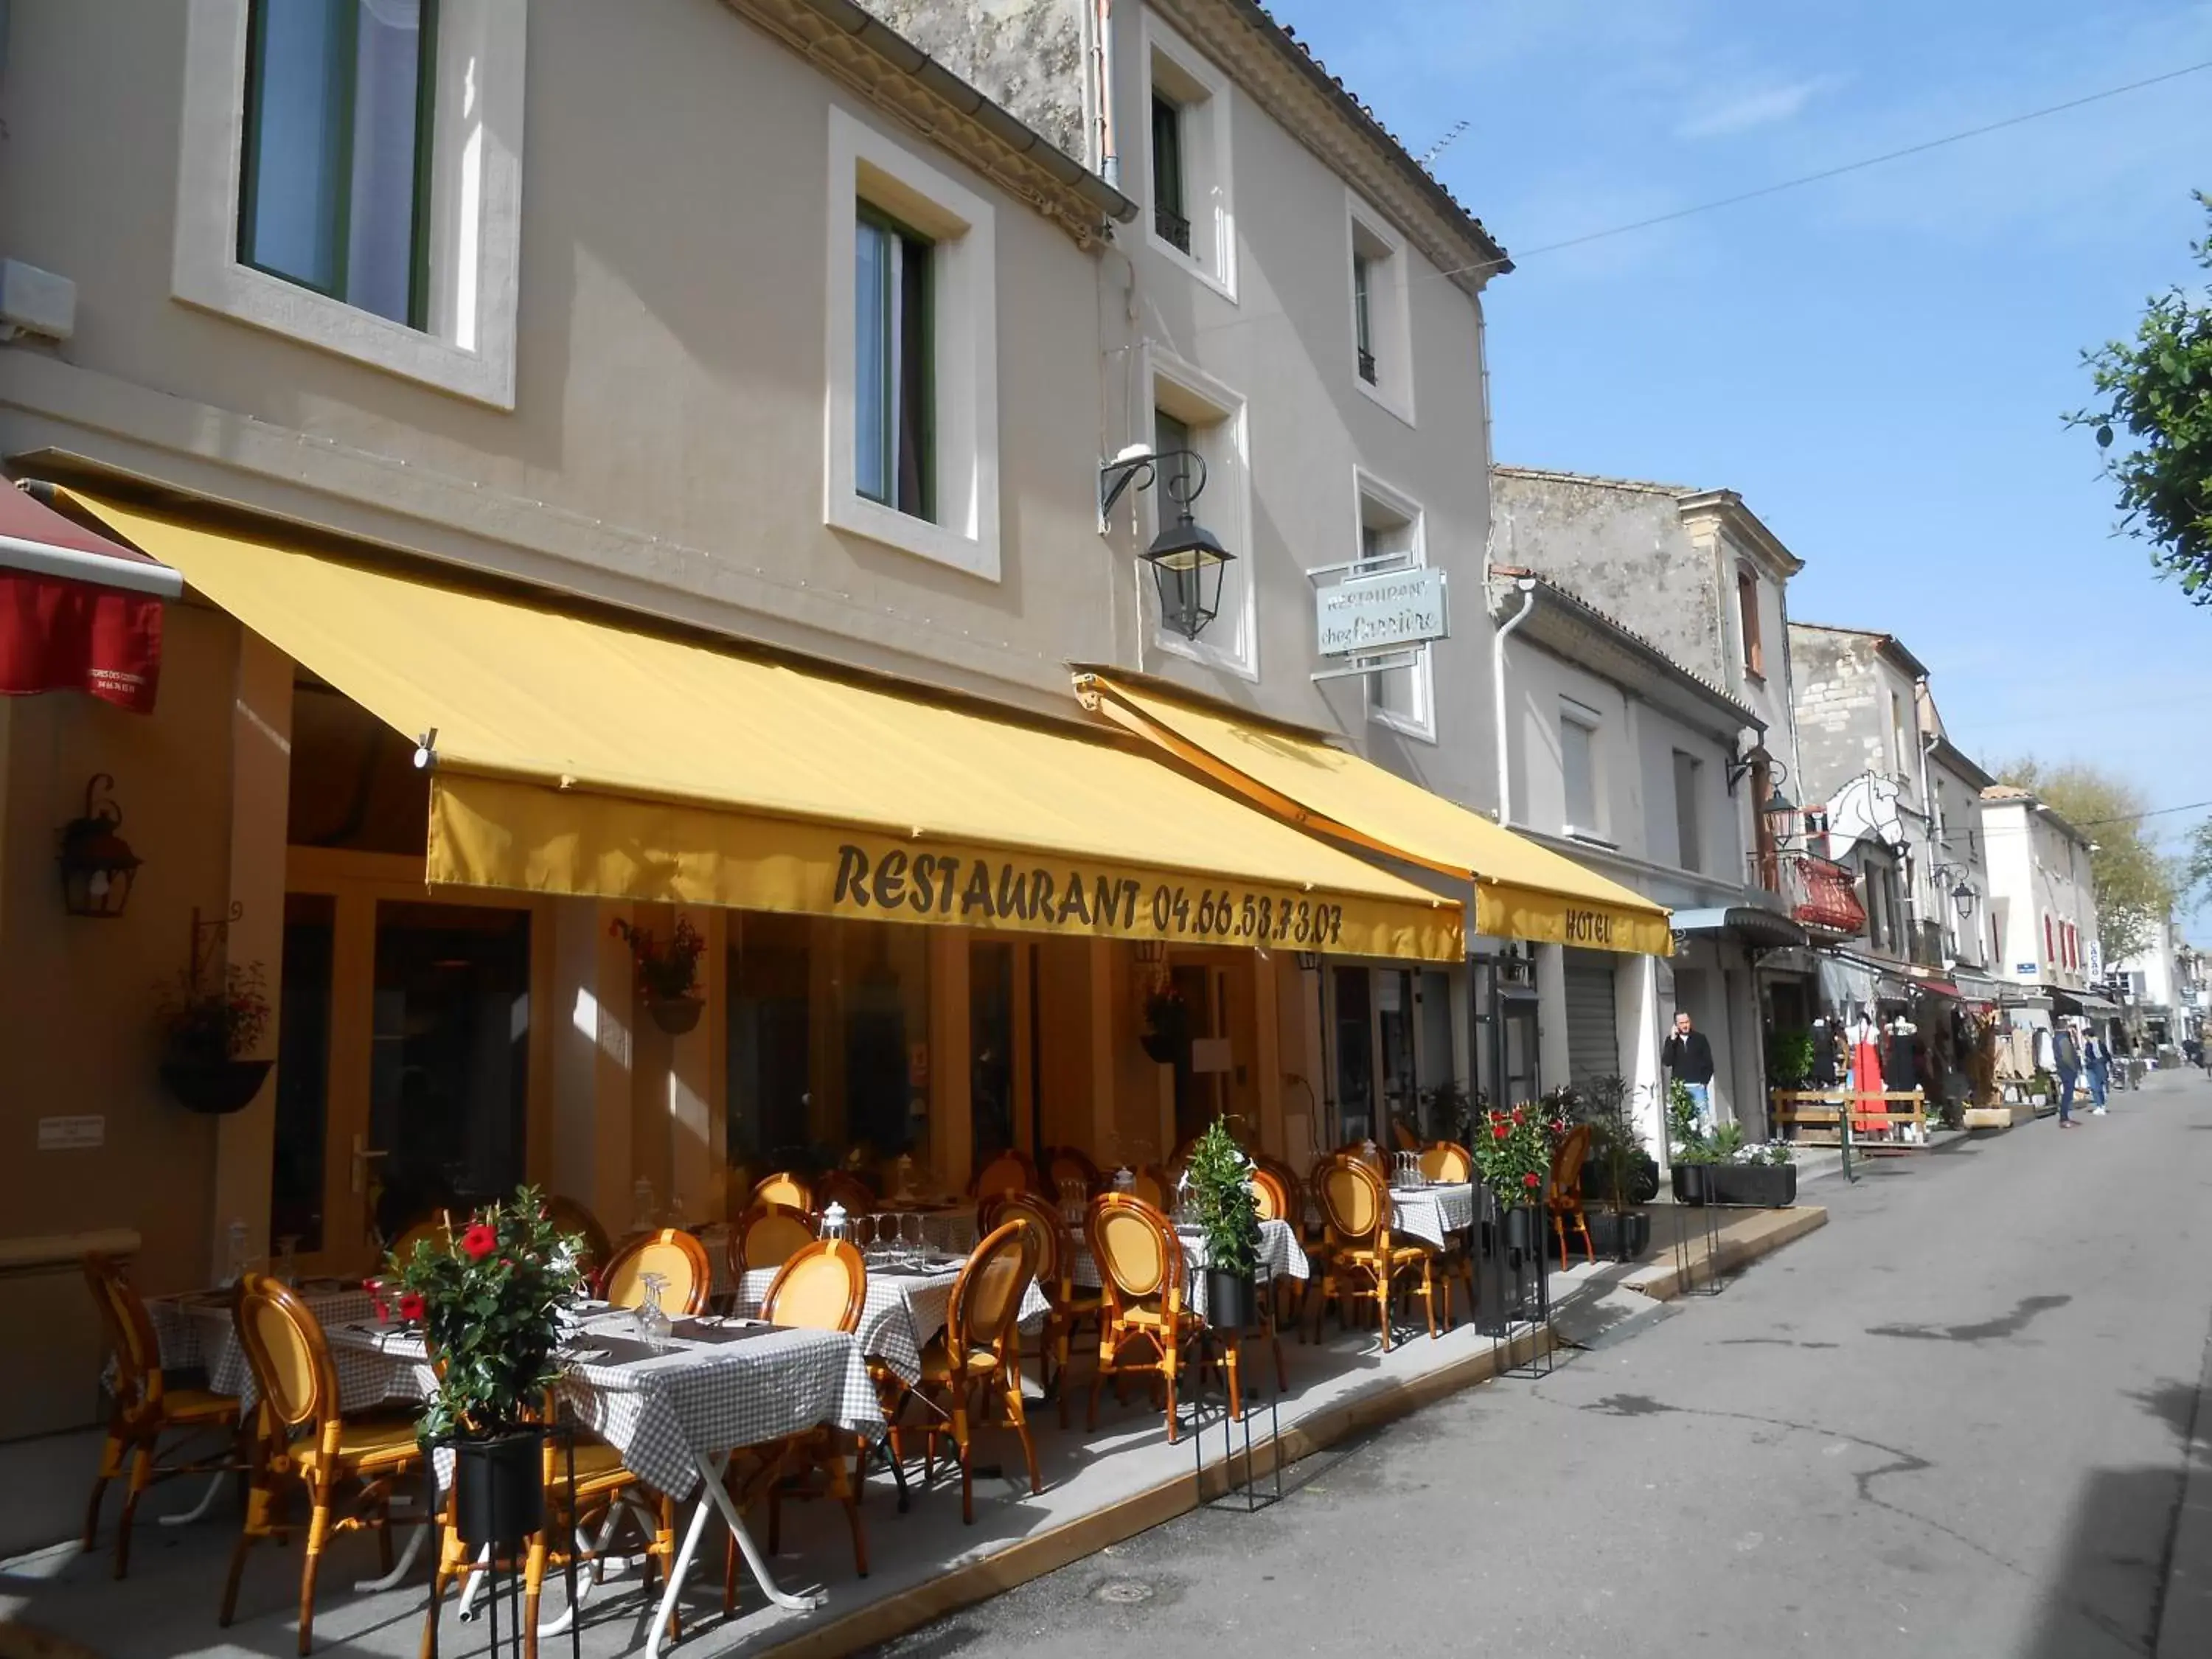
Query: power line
{"x":1484,"y":266}
{"x":2133,"y":818}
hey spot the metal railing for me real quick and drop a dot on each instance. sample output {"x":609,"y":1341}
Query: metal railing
{"x":1822,"y":895}
{"x":1173,"y":228}
{"x":1367,"y":367}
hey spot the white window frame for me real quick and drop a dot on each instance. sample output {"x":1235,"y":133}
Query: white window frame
{"x":1175,"y":70}
{"x":476,"y":204}
{"x":1581,"y":714}
{"x":866,"y":165}
{"x":1221,"y":428}
{"x":1411,"y":532}
{"x":1390,"y":310}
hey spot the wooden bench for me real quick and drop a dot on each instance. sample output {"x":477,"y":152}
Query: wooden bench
{"x":1834,"y":1117}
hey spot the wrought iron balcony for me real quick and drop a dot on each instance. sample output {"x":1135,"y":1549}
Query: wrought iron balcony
{"x":1173,"y":228}
{"x":1367,"y":367}
{"x":1823,"y":896}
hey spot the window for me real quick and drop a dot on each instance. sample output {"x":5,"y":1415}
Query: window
{"x":1900,"y":751}
{"x":1578,"y":769}
{"x":912,"y":367}
{"x":335,"y":194}
{"x":1687,"y":769}
{"x":1193,"y":219}
{"x":350,"y":175}
{"x":1170,"y":222}
{"x":1747,"y":606}
{"x":894,"y":456}
{"x":1390,"y":530}
{"x":1362,"y":269}
{"x":1194,"y":412}
{"x":1381,"y":344}
{"x":2049,"y":940}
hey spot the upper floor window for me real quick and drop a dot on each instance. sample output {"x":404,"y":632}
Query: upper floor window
{"x":1578,"y":729}
{"x":1901,"y":749}
{"x":1194,"y":412}
{"x":894,"y":450}
{"x":1391,"y":538}
{"x":1363,"y":314}
{"x":335,"y":194}
{"x":1382,"y":346}
{"x":912,"y":365}
{"x":2049,"y":940}
{"x":1747,"y":606}
{"x":350,"y":175}
{"x":1192,"y":212}
{"x":1688,"y":833}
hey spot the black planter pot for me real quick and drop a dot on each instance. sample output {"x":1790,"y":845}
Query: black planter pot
{"x":1166,"y":1046}
{"x":1750,"y":1186}
{"x":499,"y":1488}
{"x":1690,"y":1181}
{"x":1623,"y":1237}
{"x":215,"y":1087}
{"x":1646,"y":1185}
{"x":1232,"y":1301}
{"x":676,"y":1015}
{"x":1524,"y":1229}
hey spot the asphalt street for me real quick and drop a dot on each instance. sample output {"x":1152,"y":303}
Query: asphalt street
{"x":1953,"y":1421}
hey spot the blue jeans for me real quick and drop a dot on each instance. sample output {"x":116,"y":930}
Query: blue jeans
{"x":2097,"y":1080}
{"x":2066,"y":1080}
{"x":1702,"y":1094}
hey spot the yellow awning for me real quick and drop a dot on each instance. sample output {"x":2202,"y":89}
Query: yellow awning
{"x":1523,"y":890}
{"x":579,"y":757}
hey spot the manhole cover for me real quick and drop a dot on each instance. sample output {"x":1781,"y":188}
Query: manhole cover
{"x":1124,"y":1590}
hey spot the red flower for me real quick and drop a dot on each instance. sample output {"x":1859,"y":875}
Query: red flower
{"x":1500,"y":1130}
{"x":1532,"y":1179}
{"x":1517,"y":1115}
{"x":410,"y":1306}
{"x":479,"y":1241}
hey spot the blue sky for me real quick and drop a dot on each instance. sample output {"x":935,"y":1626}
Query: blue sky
{"x":1877,"y":363}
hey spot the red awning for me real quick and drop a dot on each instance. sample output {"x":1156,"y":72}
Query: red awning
{"x":78,"y":612}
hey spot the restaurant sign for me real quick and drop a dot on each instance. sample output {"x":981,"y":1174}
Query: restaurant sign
{"x":1364,"y":615}
{"x":498,"y":833}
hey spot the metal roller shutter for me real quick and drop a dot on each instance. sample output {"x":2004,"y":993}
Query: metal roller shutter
{"x":1593,"y":1035}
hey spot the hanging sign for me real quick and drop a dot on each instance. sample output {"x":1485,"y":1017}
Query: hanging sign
{"x":1364,"y":615}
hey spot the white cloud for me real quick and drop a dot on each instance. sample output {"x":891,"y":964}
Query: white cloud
{"x":1760,"y":109}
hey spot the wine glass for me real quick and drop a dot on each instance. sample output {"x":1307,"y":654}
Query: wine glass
{"x":288,"y":1259}
{"x":650,"y":1318}
{"x":912,"y":1239}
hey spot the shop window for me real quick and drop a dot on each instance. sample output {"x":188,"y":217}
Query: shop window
{"x":991,"y":1049}
{"x":1354,"y":1021}
{"x":303,"y":1073}
{"x":1192,"y":216}
{"x":350,"y":175}
{"x":771,"y":1037}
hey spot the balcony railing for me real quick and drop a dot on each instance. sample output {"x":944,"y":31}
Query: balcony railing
{"x":1173,"y":228}
{"x":1925,"y":944}
{"x":1367,"y":367}
{"x":1822,"y":896}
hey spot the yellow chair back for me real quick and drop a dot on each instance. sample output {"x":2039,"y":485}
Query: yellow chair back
{"x":1447,"y":1160}
{"x":822,"y":1288}
{"x":987,"y":1297}
{"x":677,"y":1256}
{"x":287,"y":1352}
{"x":785,"y":1188}
{"x":1353,"y":1200}
{"x":770,"y":1236}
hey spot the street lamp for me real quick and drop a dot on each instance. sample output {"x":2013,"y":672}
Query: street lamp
{"x":1188,"y":560}
{"x":1965,"y":897}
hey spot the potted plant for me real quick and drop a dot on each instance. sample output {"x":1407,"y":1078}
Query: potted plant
{"x":1618,"y":1169}
{"x":667,"y":972}
{"x":1721,"y":1169}
{"x":491,"y":1299}
{"x":1512,"y":1154}
{"x":1218,"y":1186}
{"x":1789,"y":1058}
{"x":207,"y":1031}
{"x":1166,"y":1035}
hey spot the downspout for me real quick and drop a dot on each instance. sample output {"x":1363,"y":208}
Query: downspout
{"x":1526,"y":586}
{"x":1927,"y":807}
{"x":1109,"y":159}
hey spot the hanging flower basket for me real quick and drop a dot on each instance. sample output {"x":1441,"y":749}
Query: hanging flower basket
{"x":676,"y":1015}
{"x":1166,"y":1036}
{"x":215,"y":1088}
{"x":667,"y":972}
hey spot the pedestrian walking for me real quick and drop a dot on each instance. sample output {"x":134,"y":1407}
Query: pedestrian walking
{"x":2097,"y":1062}
{"x":2123,"y":1052}
{"x":1688,"y":1059}
{"x":2066,"y":1060}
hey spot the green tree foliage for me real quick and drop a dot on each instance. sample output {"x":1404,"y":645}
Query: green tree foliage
{"x":2154,"y":403}
{"x":2135,"y":887}
{"x":2196,"y":864}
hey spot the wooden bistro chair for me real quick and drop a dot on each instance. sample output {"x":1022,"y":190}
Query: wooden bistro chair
{"x":144,"y":1409}
{"x":1151,"y":1185}
{"x":1070,"y":1306}
{"x":841,"y":1186}
{"x":1010,"y":1171}
{"x":980,"y":1348}
{"x":767,"y":1236}
{"x":1446,"y":1160}
{"x":1362,"y":1260}
{"x":1564,"y":1200}
{"x":437,"y":1228}
{"x":677,"y":1256}
{"x":1073,"y":1163}
{"x":823,"y":1287}
{"x":1140,"y":1259}
{"x":1277,"y":1200}
{"x":301,"y":1434}
{"x":784,"y":1188}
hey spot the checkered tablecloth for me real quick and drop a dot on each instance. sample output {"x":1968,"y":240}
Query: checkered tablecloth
{"x":902,"y":1314}
{"x":1431,"y":1215}
{"x":198,"y":1331}
{"x":1281,"y":1256}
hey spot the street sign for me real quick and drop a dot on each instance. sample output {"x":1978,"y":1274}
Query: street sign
{"x":1362,"y":616}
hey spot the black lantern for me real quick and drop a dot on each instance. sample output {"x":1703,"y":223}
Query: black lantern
{"x":1964,"y":897}
{"x":1188,"y":560}
{"x":97,"y":865}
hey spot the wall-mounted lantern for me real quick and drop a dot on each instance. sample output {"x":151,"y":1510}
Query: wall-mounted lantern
{"x":1188,"y":560}
{"x":97,"y":865}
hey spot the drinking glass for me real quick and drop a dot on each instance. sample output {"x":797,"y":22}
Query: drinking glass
{"x":914,"y":1242}
{"x":884,"y":1226}
{"x":288,"y":1259}
{"x":650,"y":1318}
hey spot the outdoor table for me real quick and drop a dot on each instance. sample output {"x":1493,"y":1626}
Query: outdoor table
{"x":1432,"y":1214}
{"x":198,"y":1330}
{"x":675,"y":1418}
{"x":905,"y":1310}
{"x":950,"y":1231}
{"x":1280,"y":1255}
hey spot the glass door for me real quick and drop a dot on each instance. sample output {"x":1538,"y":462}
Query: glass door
{"x":991,"y":1049}
{"x":1517,"y":1042}
{"x":1354,"y":1026}
{"x":1394,"y":1024}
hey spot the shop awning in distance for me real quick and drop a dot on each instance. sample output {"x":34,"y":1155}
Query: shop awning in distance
{"x":582,"y":756}
{"x":1521,"y":890}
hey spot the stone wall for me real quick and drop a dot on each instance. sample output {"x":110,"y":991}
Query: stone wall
{"x":1028,"y":55}
{"x":1838,"y":710}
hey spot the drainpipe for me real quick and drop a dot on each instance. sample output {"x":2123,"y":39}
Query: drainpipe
{"x":1928,"y":808}
{"x":1109,"y":159}
{"x":1527,"y":588}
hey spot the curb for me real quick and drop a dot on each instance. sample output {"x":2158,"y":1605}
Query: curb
{"x":1048,"y":1552}
{"x":1742,"y":1243}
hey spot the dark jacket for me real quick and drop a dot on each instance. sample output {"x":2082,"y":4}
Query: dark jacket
{"x":2065,"y":1054}
{"x":1689,"y":1058}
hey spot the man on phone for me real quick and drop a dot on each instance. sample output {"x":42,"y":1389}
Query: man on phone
{"x":1688,"y":1059}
